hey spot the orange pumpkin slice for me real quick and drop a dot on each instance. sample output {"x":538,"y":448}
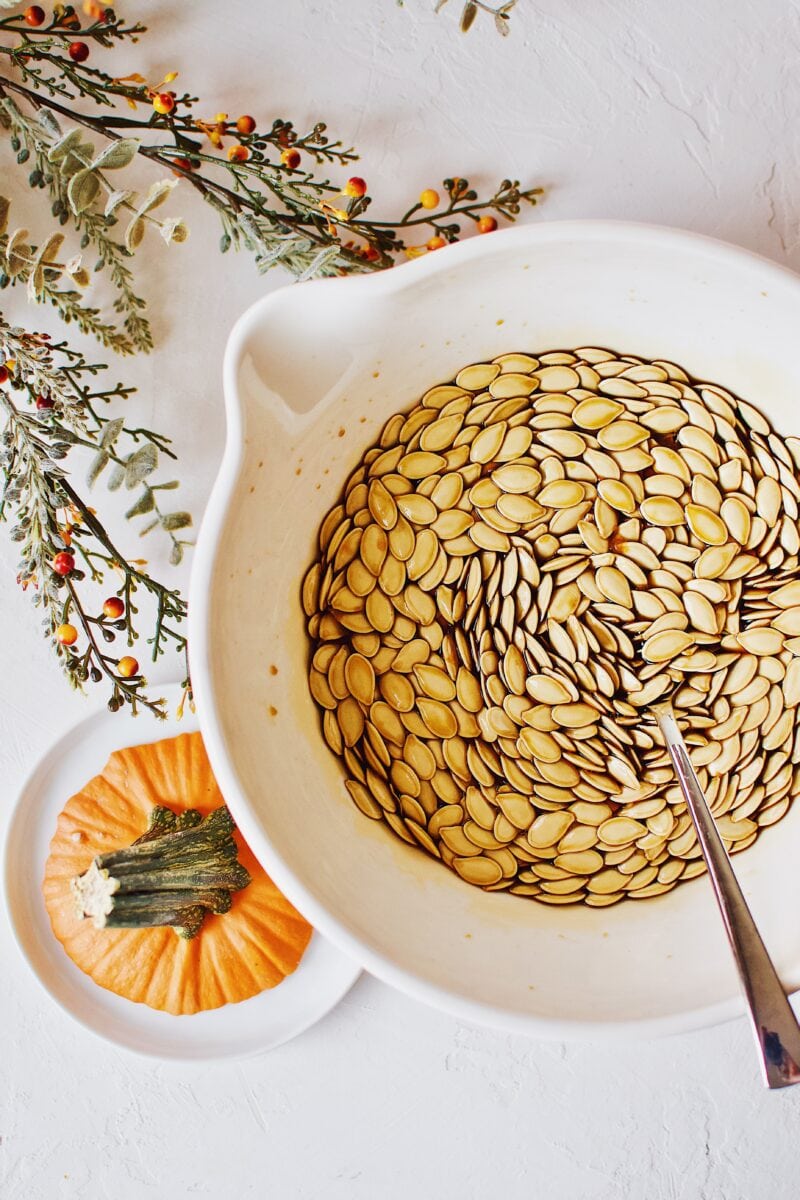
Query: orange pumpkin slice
{"x":235,"y":955}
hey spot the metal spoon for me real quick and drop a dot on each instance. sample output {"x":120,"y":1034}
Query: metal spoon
{"x":775,"y":1026}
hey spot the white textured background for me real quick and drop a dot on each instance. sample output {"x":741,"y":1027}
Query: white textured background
{"x":677,"y":113}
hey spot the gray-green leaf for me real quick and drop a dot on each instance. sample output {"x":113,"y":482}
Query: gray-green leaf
{"x":176,"y":554}
{"x":18,"y":252}
{"x":140,"y":464}
{"x":156,"y":195}
{"x":144,"y":504}
{"x":4,"y":207}
{"x":82,"y":190}
{"x":174,"y":521}
{"x":44,"y":256}
{"x":73,"y":162}
{"x":48,"y":252}
{"x":96,"y":468}
{"x":111,"y":431}
{"x":134,"y":234}
{"x":117,"y":478}
{"x":116,"y":155}
{"x":48,"y":122}
{"x":115,"y":200}
{"x":62,"y":147}
{"x":468,"y":16}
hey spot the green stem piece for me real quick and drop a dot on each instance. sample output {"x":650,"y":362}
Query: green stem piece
{"x":182,"y":867}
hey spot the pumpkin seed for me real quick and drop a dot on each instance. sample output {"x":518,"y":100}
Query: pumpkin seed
{"x":522,"y":564}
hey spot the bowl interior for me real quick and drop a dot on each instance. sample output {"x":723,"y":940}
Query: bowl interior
{"x":312,"y":375}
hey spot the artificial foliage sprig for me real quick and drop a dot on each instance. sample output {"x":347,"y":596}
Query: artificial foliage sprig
{"x":471,"y":9}
{"x":76,"y":132}
{"x":52,"y":407}
{"x":262,"y":181}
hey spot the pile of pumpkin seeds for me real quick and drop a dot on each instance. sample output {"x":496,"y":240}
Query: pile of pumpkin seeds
{"x":525,"y":563}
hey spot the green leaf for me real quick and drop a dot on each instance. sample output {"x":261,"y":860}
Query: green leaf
{"x":140,"y":464}
{"x":116,"y":155}
{"x":96,"y":467}
{"x":5,"y":205}
{"x":174,"y":521}
{"x":82,"y":190}
{"x":111,"y":431}
{"x":134,"y":234}
{"x":144,"y":504}
{"x":149,"y":527}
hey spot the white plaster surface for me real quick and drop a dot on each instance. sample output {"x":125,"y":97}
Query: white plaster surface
{"x":677,"y":113}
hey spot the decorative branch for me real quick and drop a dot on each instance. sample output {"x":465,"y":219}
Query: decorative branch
{"x":76,"y":131}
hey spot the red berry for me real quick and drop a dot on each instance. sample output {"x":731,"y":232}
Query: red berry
{"x":63,"y":563}
{"x":67,"y":635}
{"x":183,"y":163}
{"x":34,"y":15}
{"x":487,"y":225}
{"x":3,"y":373}
{"x":245,"y":124}
{"x":290,"y":157}
{"x":78,"y":51}
{"x":164,"y":103}
{"x":113,"y":607}
{"x":128,"y":666}
{"x":44,"y":402}
{"x":355,"y":187}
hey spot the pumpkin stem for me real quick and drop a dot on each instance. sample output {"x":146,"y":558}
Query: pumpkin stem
{"x":181,"y":868}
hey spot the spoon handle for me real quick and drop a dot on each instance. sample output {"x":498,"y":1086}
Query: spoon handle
{"x":774,"y":1023}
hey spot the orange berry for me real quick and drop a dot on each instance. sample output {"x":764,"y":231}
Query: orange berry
{"x":370,"y":253}
{"x":486,"y":225}
{"x":163,"y":103}
{"x":183,"y":164}
{"x":429,"y":198}
{"x":34,"y":15}
{"x":245,"y":124}
{"x":78,"y":51}
{"x":436,"y":242}
{"x":113,"y":608}
{"x":67,"y":635}
{"x":290,"y":157}
{"x":356,"y":186}
{"x":238,"y":154}
{"x":127,"y":666}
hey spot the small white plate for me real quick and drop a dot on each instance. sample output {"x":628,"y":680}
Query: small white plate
{"x":267,"y":1020}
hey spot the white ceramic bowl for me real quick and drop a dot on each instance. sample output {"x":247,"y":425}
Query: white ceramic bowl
{"x":311,"y":375}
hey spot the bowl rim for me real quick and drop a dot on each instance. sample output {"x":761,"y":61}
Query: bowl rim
{"x":400,"y":277}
